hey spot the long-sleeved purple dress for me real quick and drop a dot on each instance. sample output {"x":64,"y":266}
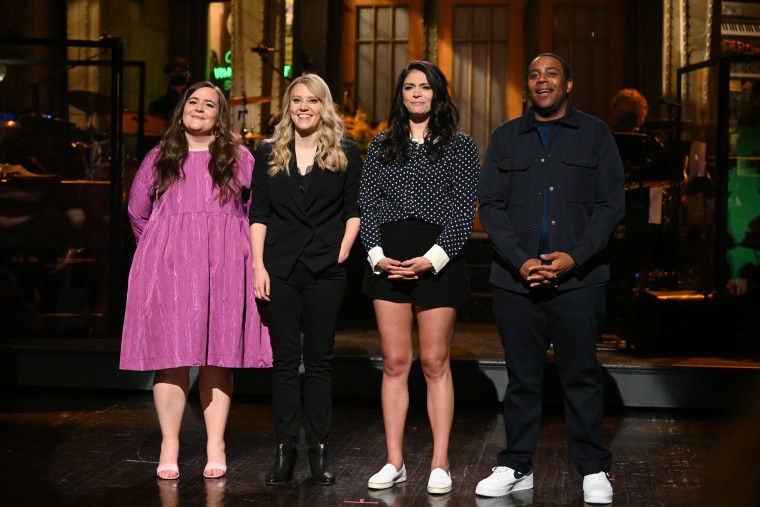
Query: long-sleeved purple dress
{"x":190,"y":300}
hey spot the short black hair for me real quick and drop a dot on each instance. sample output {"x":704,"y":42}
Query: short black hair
{"x":562,"y":61}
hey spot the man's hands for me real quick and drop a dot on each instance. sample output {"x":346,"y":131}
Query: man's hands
{"x":547,"y":275}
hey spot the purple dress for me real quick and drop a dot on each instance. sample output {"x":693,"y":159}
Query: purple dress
{"x":190,"y":300}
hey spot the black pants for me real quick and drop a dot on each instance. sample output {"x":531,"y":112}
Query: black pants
{"x":308,"y":303}
{"x":571,"y":321}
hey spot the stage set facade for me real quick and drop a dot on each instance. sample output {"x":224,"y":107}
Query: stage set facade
{"x":74,"y":94}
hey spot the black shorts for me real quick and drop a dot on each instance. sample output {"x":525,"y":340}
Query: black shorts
{"x":405,"y":240}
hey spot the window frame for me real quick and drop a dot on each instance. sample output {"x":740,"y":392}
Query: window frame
{"x":348,"y":91}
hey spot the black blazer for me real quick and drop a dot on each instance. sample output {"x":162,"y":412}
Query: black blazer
{"x":308,"y":227}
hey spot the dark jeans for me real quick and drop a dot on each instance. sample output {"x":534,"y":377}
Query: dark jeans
{"x":308,"y":303}
{"x":571,"y":321}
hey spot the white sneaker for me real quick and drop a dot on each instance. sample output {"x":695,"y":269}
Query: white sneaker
{"x":503,"y":481}
{"x":439,"y":482}
{"x":597,"y":488}
{"x":387,"y":477}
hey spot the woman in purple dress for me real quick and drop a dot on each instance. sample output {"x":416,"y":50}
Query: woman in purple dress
{"x":190,"y":300}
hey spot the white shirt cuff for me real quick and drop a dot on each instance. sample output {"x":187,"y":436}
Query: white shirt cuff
{"x":374,"y":256}
{"x":437,"y":258}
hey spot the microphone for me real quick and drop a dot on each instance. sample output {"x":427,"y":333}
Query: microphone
{"x":668,"y":103}
{"x":263,"y":48}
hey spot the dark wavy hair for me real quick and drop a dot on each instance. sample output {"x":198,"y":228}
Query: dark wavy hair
{"x":442,"y":125}
{"x":224,"y":153}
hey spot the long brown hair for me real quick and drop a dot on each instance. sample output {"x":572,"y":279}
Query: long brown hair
{"x":224,"y":149}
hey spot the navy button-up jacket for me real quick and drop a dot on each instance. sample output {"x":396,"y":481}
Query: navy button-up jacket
{"x":582,"y":179}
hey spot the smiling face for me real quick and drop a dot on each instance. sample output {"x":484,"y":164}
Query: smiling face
{"x":305,"y":109}
{"x":417,"y":95}
{"x":548,"y":88}
{"x":201,"y":112}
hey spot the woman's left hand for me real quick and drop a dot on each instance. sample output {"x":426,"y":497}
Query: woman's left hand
{"x":410,"y":269}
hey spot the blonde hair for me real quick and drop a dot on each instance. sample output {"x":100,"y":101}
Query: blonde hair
{"x":330,"y":155}
{"x":634,"y":97}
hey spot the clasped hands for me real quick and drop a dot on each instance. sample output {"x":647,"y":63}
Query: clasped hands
{"x":410,"y":269}
{"x":548,"y":275}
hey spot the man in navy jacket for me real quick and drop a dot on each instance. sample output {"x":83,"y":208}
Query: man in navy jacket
{"x":551,"y":193}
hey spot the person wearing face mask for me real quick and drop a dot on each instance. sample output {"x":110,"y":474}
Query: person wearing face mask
{"x":304,"y":220}
{"x":551,"y":193}
{"x":190,"y":300}
{"x":160,"y":111}
{"x":177,"y":75}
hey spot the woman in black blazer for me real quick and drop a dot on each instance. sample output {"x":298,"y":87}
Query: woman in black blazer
{"x":304,"y":219}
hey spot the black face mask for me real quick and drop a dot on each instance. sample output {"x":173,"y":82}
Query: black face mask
{"x":178,"y":79}
{"x":626,"y":122}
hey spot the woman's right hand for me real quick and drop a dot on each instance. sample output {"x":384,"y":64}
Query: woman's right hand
{"x":260,"y":282}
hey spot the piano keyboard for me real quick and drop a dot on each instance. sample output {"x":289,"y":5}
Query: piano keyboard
{"x":737,"y":29}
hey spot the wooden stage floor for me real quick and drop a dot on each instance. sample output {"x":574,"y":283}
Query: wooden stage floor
{"x":73,"y":447}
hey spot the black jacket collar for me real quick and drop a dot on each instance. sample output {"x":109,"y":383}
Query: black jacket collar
{"x":527,"y":121}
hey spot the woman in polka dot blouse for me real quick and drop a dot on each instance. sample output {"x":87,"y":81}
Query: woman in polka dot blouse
{"x":417,"y":200}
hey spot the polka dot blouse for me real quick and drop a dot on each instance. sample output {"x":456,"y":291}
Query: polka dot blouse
{"x":441,"y":193}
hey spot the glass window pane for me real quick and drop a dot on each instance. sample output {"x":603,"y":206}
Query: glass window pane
{"x":383,"y":23}
{"x":460,"y":84}
{"x":55,"y":199}
{"x":498,"y":85}
{"x":480,"y":85}
{"x":699,"y":123}
{"x":364,"y":78}
{"x":383,"y":88}
{"x":364,"y":28}
{"x":744,"y":173}
{"x":479,"y":68}
{"x":401,"y":29}
{"x":400,"y":58}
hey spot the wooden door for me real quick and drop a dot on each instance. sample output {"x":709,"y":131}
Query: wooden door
{"x":589,"y":34}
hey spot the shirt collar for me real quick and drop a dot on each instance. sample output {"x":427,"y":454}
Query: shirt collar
{"x":528,"y":121}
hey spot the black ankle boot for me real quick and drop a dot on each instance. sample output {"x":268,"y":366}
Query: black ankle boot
{"x":318,"y":462}
{"x":284,"y":463}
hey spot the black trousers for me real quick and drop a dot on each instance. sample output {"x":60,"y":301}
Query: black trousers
{"x":571,"y":321}
{"x":305,"y":303}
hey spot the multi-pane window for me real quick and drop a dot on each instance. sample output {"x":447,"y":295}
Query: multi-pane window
{"x":382,"y":50}
{"x":480,"y":46}
{"x":479,"y":74}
